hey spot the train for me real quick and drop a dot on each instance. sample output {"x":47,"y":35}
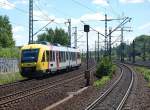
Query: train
{"x":43,"y":58}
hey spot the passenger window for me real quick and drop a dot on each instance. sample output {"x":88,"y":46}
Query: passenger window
{"x":67,"y":56}
{"x":47,"y":56}
{"x":53,"y":55}
{"x":43,"y":57}
{"x":60,"y":56}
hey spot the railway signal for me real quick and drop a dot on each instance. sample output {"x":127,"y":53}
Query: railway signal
{"x":87,"y":72}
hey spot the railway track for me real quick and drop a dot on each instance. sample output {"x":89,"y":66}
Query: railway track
{"x":146,"y":64}
{"x":18,"y":82}
{"x":20,"y":95}
{"x":28,"y":83}
{"x":116,"y":95}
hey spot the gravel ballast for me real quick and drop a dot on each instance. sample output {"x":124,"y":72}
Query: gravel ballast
{"x":81,"y":101}
{"x":139,"y":98}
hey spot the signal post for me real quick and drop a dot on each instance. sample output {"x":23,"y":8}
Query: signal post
{"x":87,"y":72}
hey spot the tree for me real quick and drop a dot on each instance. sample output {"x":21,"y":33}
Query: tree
{"x":6,"y":39}
{"x":54,"y":36}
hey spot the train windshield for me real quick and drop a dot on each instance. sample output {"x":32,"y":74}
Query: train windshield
{"x":30,"y":55}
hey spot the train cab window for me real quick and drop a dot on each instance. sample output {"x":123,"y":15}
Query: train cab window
{"x":43,"y":57}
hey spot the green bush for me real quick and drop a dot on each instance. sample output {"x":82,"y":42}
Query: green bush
{"x":9,"y":53}
{"x":105,"y":68}
{"x":101,"y":82}
{"x":10,"y":77}
{"x":145,"y":72}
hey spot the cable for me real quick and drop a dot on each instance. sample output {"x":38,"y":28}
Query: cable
{"x":84,"y":6}
{"x":112,"y":10}
{"x":21,"y":10}
{"x":42,"y":11}
{"x":18,"y":9}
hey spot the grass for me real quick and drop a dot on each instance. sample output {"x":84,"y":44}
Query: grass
{"x":9,"y":52}
{"x":101,"y":82}
{"x":10,"y":77}
{"x":145,"y":72}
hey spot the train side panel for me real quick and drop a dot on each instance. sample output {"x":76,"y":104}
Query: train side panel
{"x":48,"y":58}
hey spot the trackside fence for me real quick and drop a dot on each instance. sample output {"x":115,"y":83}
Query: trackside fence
{"x":8,"y":65}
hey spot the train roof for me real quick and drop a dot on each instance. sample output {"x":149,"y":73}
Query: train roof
{"x":48,"y":47}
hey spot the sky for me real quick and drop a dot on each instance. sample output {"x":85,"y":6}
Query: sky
{"x":89,"y":11}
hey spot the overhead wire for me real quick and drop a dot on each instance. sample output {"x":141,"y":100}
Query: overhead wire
{"x":18,"y":9}
{"x":42,"y":11}
{"x":84,"y":6}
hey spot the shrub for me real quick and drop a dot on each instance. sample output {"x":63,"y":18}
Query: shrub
{"x":145,"y":72}
{"x":105,"y":68}
{"x":102,"y":81}
{"x":9,"y":52}
{"x":10,"y":77}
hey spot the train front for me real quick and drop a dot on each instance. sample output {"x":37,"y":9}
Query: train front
{"x":28,"y":61}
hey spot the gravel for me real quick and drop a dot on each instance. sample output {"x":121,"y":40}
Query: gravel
{"x":36,"y":82}
{"x":81,"y":101}
{"x":48,"y":97}
{"x":139,"y":97}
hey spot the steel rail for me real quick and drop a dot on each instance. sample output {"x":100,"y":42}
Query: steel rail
{"x":16,"y":83}
{"x":128,"y":91}
{"x":91,"y":106}
{"x":29,"y":92}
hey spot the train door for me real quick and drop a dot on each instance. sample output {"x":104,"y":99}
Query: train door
{"x":44,"y":62}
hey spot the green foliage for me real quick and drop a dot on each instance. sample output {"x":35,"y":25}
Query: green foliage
{"x":142,"y":50}
{"x":101,"y":82}
{"x":10,"y":77}
{"x":6,"y":39}
{"x":9,"y":53}
{"x":105,"y":68}
{"x":54,"y":36}
{"x":145,"y":72}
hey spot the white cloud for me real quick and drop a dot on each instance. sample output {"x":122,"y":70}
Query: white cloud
{"x":147,"y":25}
{"x":100,"y":2}
{"x":18,"y":29}
{"x":131,"y":1}
{"x":87,"y":17}
{"x":21,"y":2}
{"x":5,"y":4}
{"x":20,"y":39}
{"x":94,"y":16}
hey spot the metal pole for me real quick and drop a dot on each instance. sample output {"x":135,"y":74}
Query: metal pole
{"x":75,"y":37}
{"x":133,"y":54}
{"x":87,"y":52}
{"x":105,"y":34}
{"x":110,"y":44}
{"x":122,"y":49}
{"x":95,"y":51}
{"x":144,"y":48}
{"x":98,"y":47}
{"x":69,"y":31}
{"x":30,"y":21}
